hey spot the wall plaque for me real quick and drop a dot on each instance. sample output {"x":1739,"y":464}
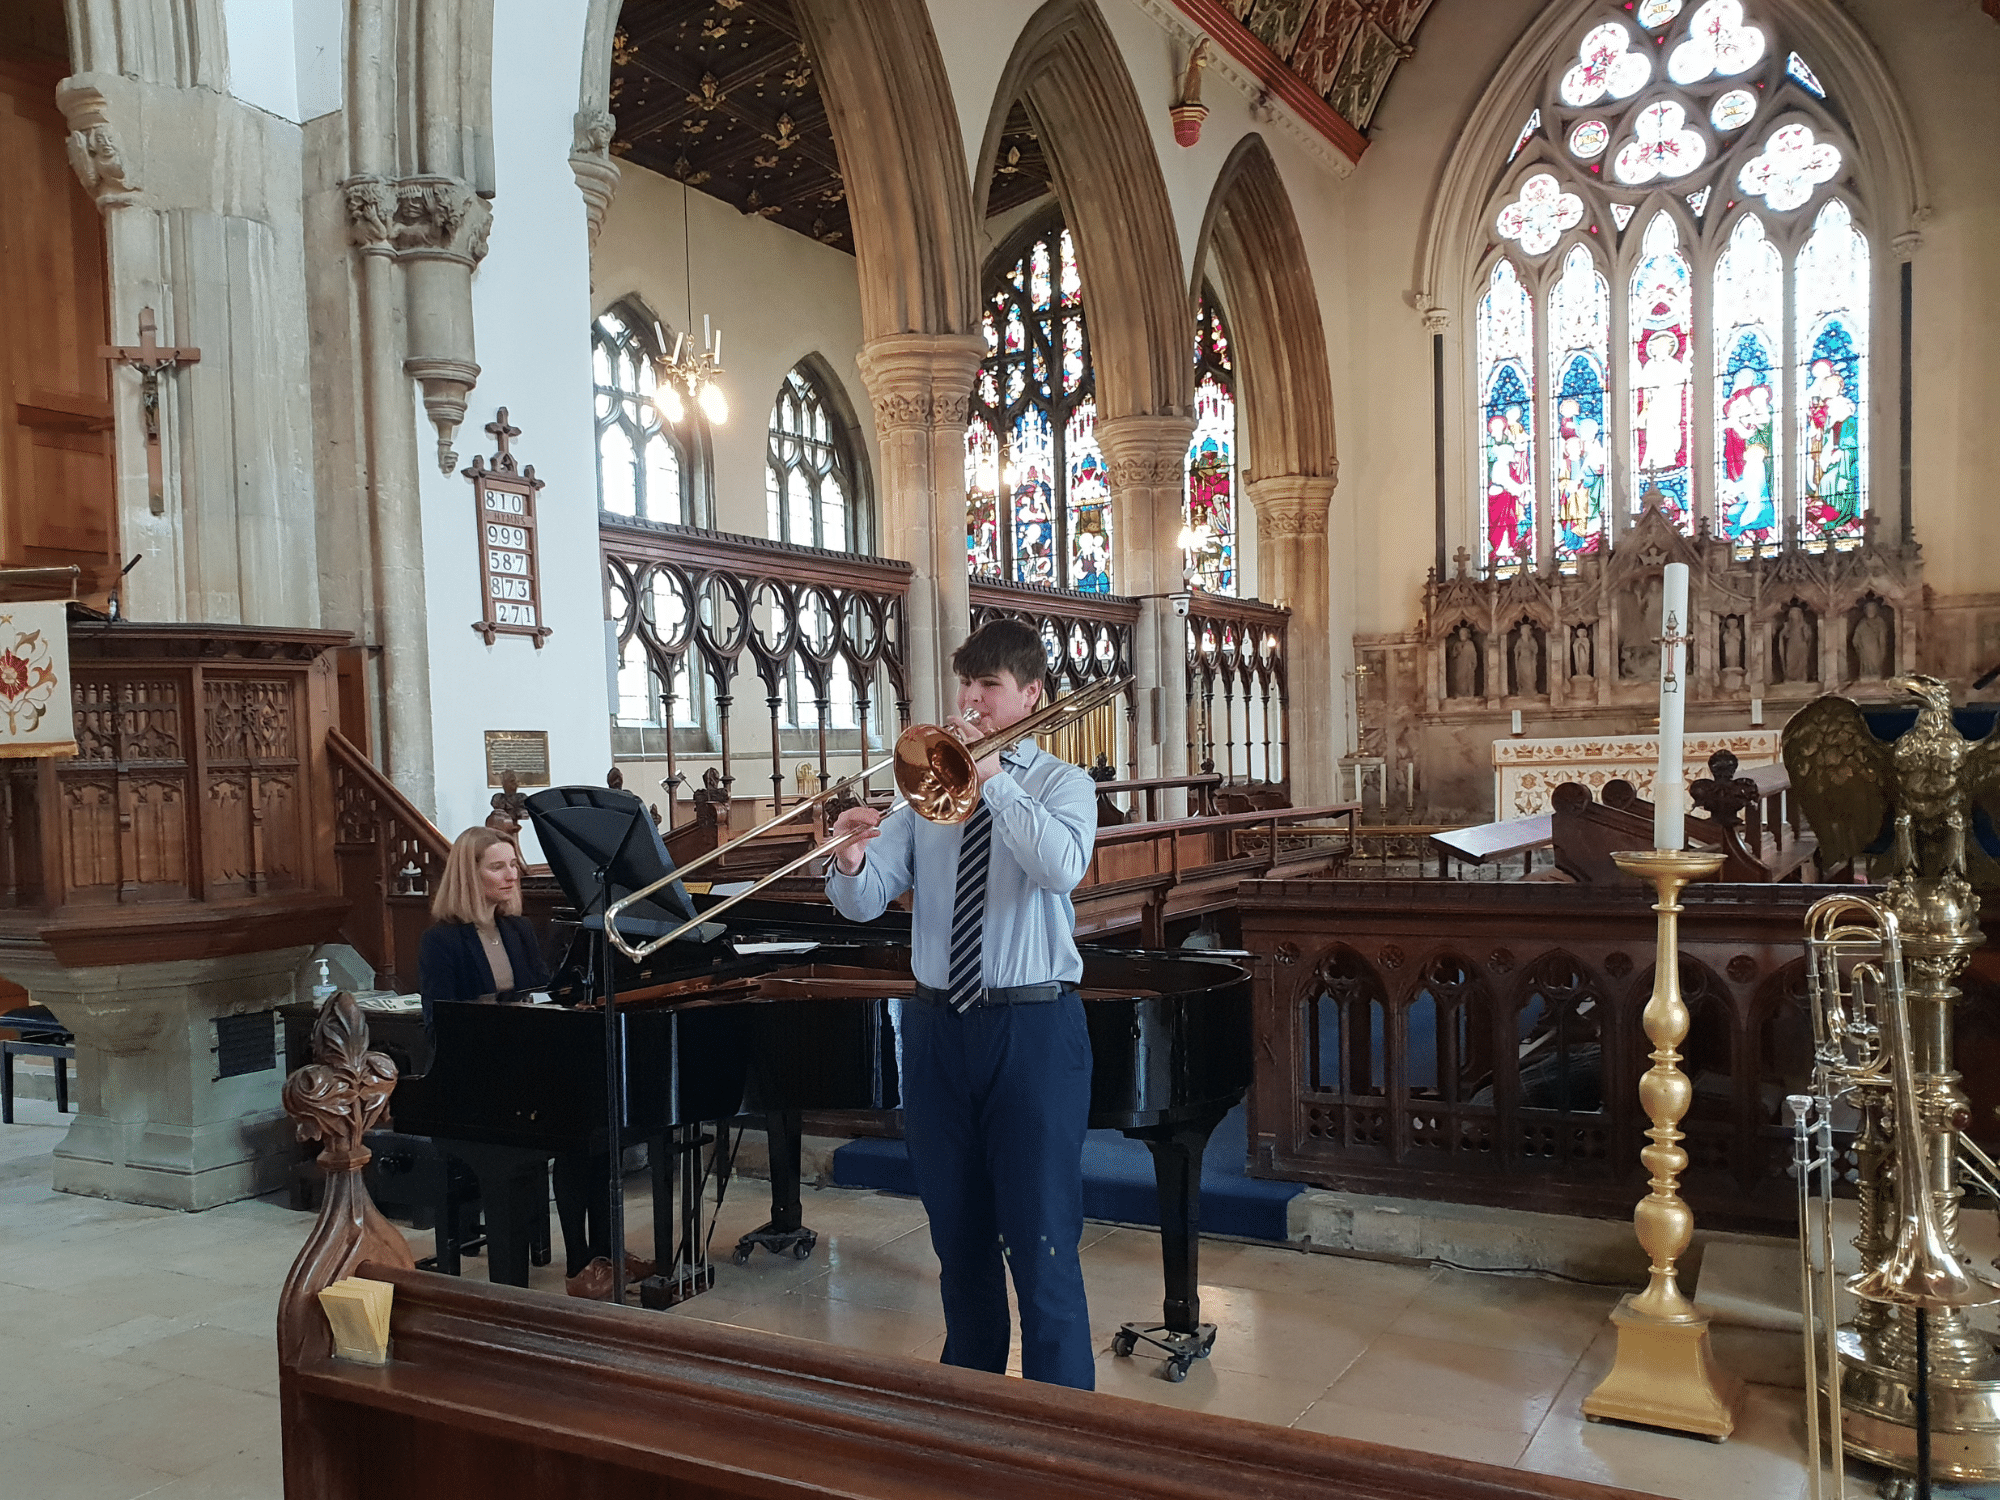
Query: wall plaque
{"x":510,"y":579}
{"x":525,"y":752}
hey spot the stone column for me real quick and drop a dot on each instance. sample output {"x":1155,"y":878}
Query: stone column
{"x":921,"y":385}
{"x":1294,"y":567}
{"x":154,"y":1124}
{"x":1146,"y":459}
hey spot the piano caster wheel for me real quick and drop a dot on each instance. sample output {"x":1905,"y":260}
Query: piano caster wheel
{"x":1207,"y":1344}
{"x":803,"y":1249}
{"x":740,"y":1256}
{"x":1122,"y":1344}
{"x":1176,"y":1370}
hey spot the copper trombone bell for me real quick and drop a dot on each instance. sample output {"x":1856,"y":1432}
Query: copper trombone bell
{"x":936,"y":772}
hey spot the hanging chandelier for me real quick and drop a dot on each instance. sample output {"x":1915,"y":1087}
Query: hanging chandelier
{"x":687,"y":370}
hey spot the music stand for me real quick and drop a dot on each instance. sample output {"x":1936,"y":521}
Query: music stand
{"x":601,"y":846}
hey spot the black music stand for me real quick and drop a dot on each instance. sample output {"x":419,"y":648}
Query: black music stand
{"x":602,"y":846}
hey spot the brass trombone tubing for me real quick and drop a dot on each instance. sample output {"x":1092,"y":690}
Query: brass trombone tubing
{"x":1045,"y":720}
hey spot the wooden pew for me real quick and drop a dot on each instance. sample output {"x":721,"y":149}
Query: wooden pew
{"x":507,"y":1394}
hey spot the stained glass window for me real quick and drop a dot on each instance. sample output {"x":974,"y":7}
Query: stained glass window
{"x":1681,"y":264}
{"x":1830,"y":298}
{"x":1038,"y":504}
{"x":1579,"y":364}
{"x":641,"y":467}
{"x":809,"y":490}
{"x":1507,"y":412}
{"x":1660,"y":314}
{"x":1749,"y":302}
{"x":1209,"y":542}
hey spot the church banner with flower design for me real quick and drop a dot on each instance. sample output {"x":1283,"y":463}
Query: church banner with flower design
{"x":35,"y":714}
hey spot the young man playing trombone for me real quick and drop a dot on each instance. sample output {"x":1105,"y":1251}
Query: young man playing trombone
{"x":996,"y":1054}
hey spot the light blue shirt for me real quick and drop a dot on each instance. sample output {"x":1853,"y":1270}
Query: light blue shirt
{"x":1044,"y":825}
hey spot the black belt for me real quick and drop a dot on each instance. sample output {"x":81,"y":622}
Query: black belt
{"x":1016,"y":994}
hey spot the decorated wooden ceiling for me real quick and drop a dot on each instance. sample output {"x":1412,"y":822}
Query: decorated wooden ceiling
{"x":724,"y":96}
{"x":1020,"y":170}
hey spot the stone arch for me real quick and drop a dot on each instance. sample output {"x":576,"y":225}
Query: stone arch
{"x":1067,"y":71}
{"x":889,"y":103}
{"x":1252,"y":235}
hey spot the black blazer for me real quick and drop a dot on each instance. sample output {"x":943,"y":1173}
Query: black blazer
{"x":452,"y":964}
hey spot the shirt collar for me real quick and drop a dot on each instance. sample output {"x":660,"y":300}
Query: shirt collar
{"x":1021,"y":755}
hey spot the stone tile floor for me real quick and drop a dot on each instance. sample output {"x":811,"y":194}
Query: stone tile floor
{"x":136,"y":1351}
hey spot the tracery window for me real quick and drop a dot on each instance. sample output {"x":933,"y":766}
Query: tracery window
{"x":1208,"y":544}
{"x":809,"y":489}
{"x":1038,"y":501}
{"x":1676,"y":295}
{"x":642,"y":468}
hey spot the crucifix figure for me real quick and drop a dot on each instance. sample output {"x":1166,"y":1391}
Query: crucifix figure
{"x":149,"y":357}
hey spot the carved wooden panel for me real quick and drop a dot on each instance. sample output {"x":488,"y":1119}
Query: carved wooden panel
{"x":57,"y":499}
{"x":252,"y":830}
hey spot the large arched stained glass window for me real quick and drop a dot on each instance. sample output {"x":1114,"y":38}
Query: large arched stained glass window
{"x":809,"y":483}
{"x":1678,"y":252}
{"x":642,"y":469}
{"x":1038,"y":502}
{"x":1209,"y":543}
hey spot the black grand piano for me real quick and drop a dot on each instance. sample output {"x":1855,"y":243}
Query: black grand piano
{"x":781,"y":1008}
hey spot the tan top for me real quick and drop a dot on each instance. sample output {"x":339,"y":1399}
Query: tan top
{"x":496,"y":958}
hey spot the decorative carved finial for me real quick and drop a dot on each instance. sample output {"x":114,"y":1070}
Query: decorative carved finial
{"x":1188,"y":111}
{"x":1461,"y":558}
{"x":336,"y":1099}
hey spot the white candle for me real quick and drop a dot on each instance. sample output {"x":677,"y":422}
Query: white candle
{"x":1756,"y":712}
{"x":1669,"y":791}
{"x":1517,"y":721}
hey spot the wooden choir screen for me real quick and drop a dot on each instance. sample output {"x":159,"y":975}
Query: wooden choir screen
{"x":1239,"y":646}
{"x":199,"y":783}
{"x":1481,"y":1043}
{"x":57,"y":480}
{"x":1086,"y":637}
{"x":388,"y":856}
{"x":728,"y":615}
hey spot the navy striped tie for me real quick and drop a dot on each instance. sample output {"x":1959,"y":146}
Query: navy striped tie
{"x":968,"y":911}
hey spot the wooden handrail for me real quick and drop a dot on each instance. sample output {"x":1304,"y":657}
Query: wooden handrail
{"x":1201,"y":786}
{"x":388,"y":856}
{"x":1132,"y":833}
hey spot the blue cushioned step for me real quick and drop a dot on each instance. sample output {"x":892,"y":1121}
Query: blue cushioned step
{"x":1118,"y":1180}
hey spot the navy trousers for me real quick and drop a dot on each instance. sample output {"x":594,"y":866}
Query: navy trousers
{"x":995,"y":1105}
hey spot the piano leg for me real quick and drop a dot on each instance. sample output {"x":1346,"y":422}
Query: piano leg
{"x":1177,"y":1149}
{"x":786,"y":1232}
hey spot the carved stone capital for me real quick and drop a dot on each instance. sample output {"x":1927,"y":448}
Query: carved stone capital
{"x":371,"y":213}
{"x":591,"y":160}
{"x":94,"y":151}
{"x":1145,"y":452}
{"x":1436,"y":316}
{"x":440,"y":218}
{"x":1290,"y":505}
{"x":920,"y":380}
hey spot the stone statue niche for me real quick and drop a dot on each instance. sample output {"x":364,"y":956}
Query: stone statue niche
{"x":1582,"y":654}
{"x":1795,"y":644}
{"x":1525,"y":660}
{"x":1639,"y":629}
{"x":1871,"y":640}
{"x":1729,"y":650}
{"x":1465,"y":662}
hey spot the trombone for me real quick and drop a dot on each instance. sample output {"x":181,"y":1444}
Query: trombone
{"x":935,"y":771}
{"x":1862,"y":1045}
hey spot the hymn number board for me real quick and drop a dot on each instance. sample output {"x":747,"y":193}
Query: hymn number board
{"x":510,"y":579}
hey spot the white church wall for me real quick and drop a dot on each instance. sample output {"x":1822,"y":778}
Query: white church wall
{"x":531,"y":309}
{"x":263,"y":58}
{"x":776,"y":295}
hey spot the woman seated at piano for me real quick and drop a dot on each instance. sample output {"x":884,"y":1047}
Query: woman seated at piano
{"x":480,"y":946}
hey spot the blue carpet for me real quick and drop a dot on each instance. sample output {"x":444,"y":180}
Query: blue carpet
{"x":1118,"y":1180}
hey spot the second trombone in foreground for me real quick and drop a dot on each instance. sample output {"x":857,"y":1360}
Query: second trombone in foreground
{"x":935,"y":771}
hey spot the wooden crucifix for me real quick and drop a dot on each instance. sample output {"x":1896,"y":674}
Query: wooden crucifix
{"x":150,"y":357}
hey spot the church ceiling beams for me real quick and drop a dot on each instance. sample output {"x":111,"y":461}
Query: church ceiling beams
{"x":1020,"y":167}
{"x":724,"y":95}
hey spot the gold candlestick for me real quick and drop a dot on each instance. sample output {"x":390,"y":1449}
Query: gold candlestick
{"x":1665,"y":1374}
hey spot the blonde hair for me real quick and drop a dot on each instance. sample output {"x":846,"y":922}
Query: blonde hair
{"x":459,"y":897}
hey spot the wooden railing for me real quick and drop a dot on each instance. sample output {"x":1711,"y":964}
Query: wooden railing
{"x":1145,"y":793}
{"x":1086,"y":636}
{"x":389,"y":856}
{"x":744,"y":615}
{"x":1239,"y":647}
{"x":1481,"y":1043}
{"x":1143,"y":876}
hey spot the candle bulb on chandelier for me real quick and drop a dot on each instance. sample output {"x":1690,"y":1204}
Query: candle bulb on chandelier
{"x":1669,"y":779}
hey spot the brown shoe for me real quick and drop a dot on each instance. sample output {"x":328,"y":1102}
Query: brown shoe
{"x":637,"y":1269}
{"x":593,"y":1281}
